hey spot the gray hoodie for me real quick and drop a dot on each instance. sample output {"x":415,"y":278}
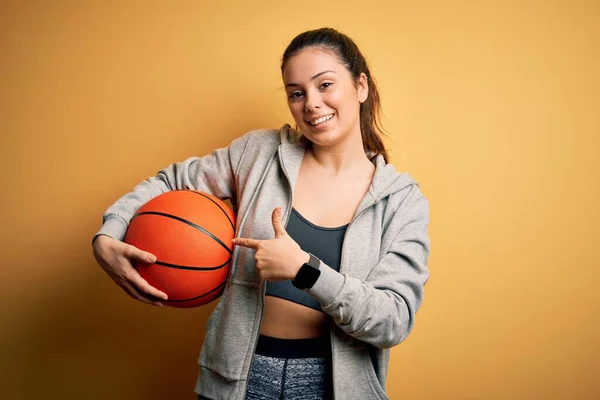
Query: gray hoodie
{"x":371,"y":301}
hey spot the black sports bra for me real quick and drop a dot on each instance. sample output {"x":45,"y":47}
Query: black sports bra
{"x":324,"y":243}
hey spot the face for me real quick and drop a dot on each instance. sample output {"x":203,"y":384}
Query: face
{"x":323,"y":97}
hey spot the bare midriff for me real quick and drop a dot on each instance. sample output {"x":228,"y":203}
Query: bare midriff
{"x":288,"y":320}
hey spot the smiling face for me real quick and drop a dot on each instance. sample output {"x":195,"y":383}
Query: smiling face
{"x":323,"y":97}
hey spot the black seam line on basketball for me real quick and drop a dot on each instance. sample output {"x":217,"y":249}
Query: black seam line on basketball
{"x":217,"y":204}
{"x":197,"y":297}
{"x":167,"y":265}
{"x":185,"y":221}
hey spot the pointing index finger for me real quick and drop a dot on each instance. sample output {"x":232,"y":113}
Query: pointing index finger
{"x":245,"y":242}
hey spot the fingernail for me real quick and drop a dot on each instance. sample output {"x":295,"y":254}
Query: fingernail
{"x":152,"y":259}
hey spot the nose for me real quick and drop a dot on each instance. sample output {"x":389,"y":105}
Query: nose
{"x":312,"y":101}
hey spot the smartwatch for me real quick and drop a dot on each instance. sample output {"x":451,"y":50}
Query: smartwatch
{"x":308,"y":273}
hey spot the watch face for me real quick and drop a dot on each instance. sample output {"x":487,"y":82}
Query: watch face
{"x":312,"y":274}
{"x":307,"y":276}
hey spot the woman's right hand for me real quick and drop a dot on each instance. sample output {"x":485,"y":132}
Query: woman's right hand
{"x":116,"y":259}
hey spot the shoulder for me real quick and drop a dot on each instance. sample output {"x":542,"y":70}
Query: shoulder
{"x":404,"y":203}
{"x":265,"y":141}
{"x":410,"y":191}
{"x":258,"y":147}
{"x":398,"y":187}
{"x":271,"y":136}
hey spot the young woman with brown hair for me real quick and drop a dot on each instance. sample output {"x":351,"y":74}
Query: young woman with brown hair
{"x":331,"y":248}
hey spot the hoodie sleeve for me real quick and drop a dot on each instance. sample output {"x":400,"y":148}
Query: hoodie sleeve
{"x":214,"y":174}
{"x":381,"y":309}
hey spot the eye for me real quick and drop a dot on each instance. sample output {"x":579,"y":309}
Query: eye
{"x":295,"y":95}
{"x":325,"y":85}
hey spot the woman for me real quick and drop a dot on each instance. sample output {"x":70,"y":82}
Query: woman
{"x":332,"y":244}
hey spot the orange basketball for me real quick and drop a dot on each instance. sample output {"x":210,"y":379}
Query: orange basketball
{"x":191,"y":234}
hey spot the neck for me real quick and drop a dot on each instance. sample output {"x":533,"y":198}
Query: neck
{"x":343,"y":157}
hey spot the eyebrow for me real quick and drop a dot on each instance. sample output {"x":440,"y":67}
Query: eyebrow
{"x":312,"y":79}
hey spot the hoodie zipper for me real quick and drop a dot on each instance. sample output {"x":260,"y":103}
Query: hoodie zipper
{"x":263,"y":286}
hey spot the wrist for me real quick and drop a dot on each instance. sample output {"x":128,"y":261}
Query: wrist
{"x":100,"y":238}
{"x":302,"y":258}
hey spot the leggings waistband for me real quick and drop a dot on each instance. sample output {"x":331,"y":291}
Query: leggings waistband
{"x":293,"y":348}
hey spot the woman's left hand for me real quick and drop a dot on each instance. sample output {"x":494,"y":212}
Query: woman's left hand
{"x":278,"y":258}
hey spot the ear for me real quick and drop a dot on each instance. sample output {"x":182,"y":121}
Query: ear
{"x":362,"y":87}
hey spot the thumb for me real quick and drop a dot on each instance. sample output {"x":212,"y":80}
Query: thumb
{"x":277,"y":224}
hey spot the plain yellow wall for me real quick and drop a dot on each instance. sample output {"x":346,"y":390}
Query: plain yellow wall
{"x":493,"y":107}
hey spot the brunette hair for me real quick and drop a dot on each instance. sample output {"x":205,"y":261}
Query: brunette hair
{"x":350,"y":56}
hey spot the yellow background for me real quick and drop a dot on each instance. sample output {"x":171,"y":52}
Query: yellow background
{"x":494,"y":107}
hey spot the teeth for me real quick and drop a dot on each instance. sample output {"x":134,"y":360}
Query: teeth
{"x":321,"y":120}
